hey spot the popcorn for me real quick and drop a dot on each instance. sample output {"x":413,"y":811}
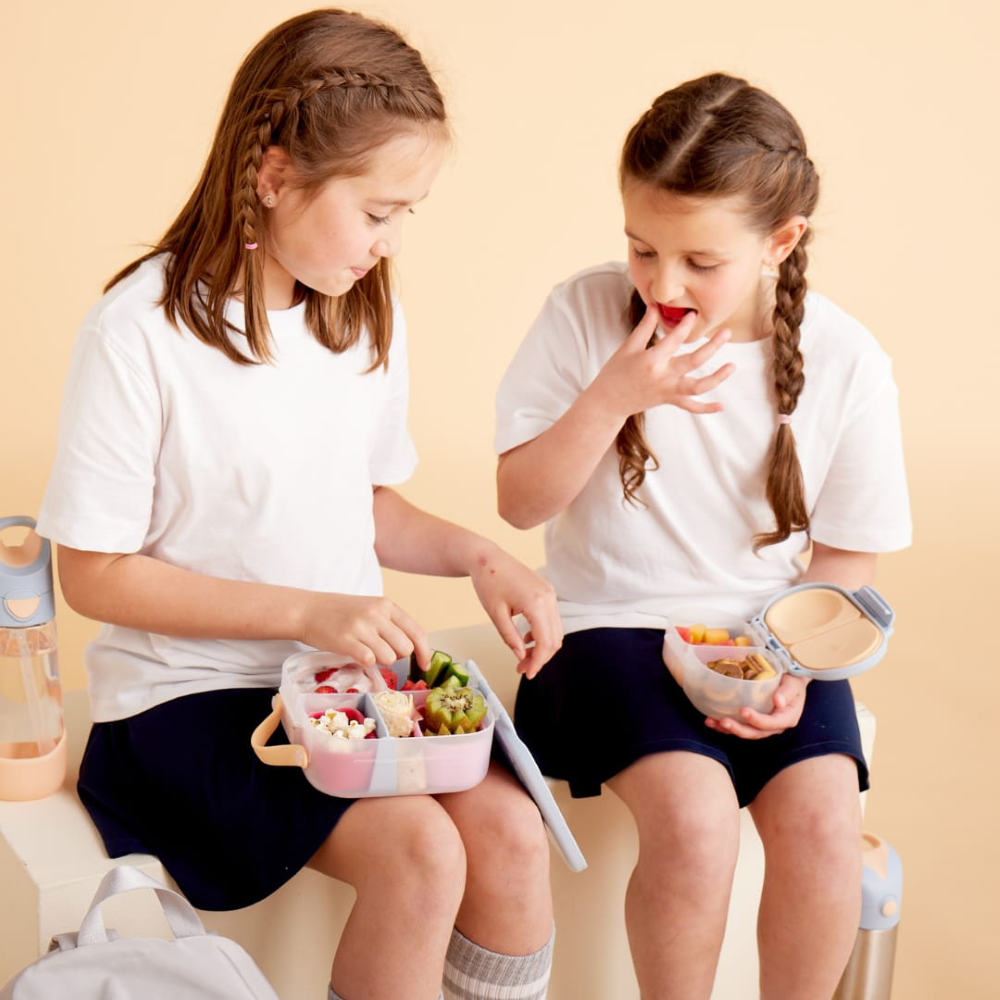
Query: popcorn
{"x":347,"y":724}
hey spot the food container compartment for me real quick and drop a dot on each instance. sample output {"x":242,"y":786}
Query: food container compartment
{"x":718,"y":696}
{"x":714,"y":694}
{"x":816,"y":630}
{"x":337,"y":767}
{"x":383,"y":765}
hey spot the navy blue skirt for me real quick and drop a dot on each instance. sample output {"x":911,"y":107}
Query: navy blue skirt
{"x":619,"y":673}
{"x":182,"y":782}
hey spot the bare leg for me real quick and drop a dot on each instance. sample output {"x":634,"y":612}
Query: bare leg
{"x":677,"y":900}
{"x":809,"y":819}
{"x":405,"y":859}
{"x":507,"y":906}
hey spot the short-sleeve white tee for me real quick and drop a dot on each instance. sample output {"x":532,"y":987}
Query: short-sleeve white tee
{"x":260,"y":472}
{"x":692,"y":543}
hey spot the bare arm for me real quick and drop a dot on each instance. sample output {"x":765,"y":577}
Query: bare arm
{"x":411,"y":540}
{"x":138,"y":591}
{"x":541,"y":477}
{"x":849,"y":570}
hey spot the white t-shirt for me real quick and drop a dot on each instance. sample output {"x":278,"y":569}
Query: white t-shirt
{"x":246,"y":472}
{"x":691,"y":546}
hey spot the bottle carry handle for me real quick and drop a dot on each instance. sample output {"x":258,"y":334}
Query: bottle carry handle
{"x":31,"y":555}
{"x":286,"y":755}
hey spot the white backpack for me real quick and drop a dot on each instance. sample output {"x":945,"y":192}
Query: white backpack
{"x":96,"y":964}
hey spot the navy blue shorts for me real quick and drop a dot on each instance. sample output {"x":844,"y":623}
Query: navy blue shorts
{"x":621,"y":671}
{"x":182,"y":782}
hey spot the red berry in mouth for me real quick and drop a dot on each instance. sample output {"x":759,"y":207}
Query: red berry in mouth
{"x":672,"y":314}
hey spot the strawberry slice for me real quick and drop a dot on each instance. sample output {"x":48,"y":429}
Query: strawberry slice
{"x":672,"y":315}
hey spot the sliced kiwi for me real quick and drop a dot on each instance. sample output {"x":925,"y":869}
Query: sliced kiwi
{"x":452,"y":709}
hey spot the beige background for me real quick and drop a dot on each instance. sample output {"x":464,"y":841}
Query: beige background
{"x":108,"y":111}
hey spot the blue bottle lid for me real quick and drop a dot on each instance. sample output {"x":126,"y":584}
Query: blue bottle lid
{"x":26,"y":591}
{"x":881,"y":884}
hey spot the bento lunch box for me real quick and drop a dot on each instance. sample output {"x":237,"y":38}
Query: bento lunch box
{"x":817,"y":630}
{"x":379,"y":765}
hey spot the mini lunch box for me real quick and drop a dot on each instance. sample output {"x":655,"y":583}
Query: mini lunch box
{"x":816,"y":630}
{"x":378,"y":765}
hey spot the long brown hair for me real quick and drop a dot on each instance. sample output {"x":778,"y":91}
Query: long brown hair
{"x":327,"y":87}
{"x":718,"y":136}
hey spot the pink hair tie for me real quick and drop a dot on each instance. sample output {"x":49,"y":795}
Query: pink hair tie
{"x":250,"y":246}
{"x":784,"y":418}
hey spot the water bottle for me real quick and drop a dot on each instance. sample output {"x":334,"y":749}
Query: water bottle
{"x":868,"y":975}
{"x":32,"y":736}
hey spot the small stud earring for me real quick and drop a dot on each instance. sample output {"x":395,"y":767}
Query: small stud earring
{"x":269,"y":200}
{"x":769,"y":269}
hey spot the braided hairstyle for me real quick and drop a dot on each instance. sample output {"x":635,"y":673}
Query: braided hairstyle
{"x":327,"y":87}
{"x":717,"y":137}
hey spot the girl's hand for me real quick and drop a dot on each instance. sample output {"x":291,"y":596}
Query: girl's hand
{"x":636,"y":378}
{"x":789,"y":700}
{"x":506,"y":588}
{"x":370,"y":630}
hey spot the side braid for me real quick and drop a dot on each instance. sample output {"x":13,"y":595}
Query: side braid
{"x":785,"y":490}
{"x":247,"y":215}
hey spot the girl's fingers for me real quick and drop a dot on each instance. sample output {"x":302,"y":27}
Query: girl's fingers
{"x":671,"y":339}
{"x":406,"y":636}
{"x":697,"y":358}
{"x":706,"y":383}
{"x":503,"y":621}
{"x":644,"y":329}
{"x":545,"y":638}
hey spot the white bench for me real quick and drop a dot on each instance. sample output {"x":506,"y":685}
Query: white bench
{"x":51,"y":861}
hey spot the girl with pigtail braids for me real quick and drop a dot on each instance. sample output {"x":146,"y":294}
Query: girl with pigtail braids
{"x":688,"y":426}
{"x":232,"y":427}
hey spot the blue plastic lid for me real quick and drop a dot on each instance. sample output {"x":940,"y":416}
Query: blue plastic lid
{"x":881,"y":884}
{"x":26,"y":590}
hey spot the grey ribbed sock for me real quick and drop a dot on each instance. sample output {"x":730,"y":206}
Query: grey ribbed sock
{"x":336,"y":996}
{"x":475,"y":973}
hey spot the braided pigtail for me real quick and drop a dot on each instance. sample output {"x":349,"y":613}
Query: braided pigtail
{"x":247,"y":213}
{"x":785,"y":490}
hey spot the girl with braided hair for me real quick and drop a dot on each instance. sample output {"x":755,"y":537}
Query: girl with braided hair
{"x":690,"y":463}
{"x":232,"y":426}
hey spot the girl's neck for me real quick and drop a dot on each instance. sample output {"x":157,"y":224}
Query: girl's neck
{"x":753,"y":321}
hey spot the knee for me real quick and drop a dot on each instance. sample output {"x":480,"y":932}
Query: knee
{"x":696,"y":846}
{"x":433,"y":847}
{"x":420,"y":857}
{"x":509,"y":842}
{"x":820,"y":847}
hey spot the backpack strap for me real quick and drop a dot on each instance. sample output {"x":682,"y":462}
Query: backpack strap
{"x":181,"y":915}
